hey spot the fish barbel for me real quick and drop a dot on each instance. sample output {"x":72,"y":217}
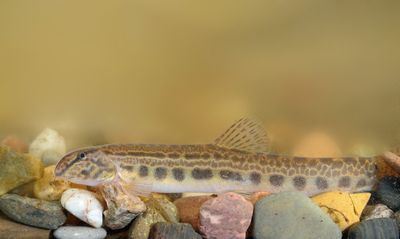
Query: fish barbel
{"x":237,"y":161}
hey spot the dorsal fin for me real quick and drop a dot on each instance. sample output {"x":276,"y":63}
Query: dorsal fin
{"x":246,"y":134}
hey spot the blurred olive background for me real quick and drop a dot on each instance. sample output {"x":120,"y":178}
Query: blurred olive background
{"x":182,"y":71}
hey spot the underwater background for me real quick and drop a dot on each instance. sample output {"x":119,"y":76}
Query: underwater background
{"x":181,"y":72}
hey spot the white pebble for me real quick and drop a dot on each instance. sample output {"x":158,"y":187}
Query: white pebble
{"x":83,"y":205}
{"x":48,"y":146}
{"x":70,"y":232}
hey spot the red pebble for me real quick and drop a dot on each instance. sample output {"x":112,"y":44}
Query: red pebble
{"x":227,"y":216}
{"x":15,"y":143}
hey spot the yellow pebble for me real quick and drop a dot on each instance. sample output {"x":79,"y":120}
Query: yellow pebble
{"x":47,"y":188}
{"x":344,"y":208}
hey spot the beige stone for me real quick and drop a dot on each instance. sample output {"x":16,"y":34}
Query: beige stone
{"x":17,"y":169}
{"x":47,"y":187}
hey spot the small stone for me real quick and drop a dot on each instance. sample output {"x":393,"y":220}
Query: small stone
{"x":397,"y":217}
{"x":15,"y":143}
{"x":34,"y":212}
{"x":10,"y":230}
{"x":292,"y":215}
{"x":84,"y":205}
{"x":189,"y":209}
{"x":48,"y":188}
{"x":72,"y":232}
{"x":226,"y":216}
{"x":165,"y":207}
{"x":162,"y":230}
{"x":49,"y":146}
{"x":377,"y":211}
{"x":344,"y":208}
{"x":17,"y":169}
{"x":378,"y":228}
{"x":388,"y":192}
{"x":121,"y":208}
{"x":140,"y":228}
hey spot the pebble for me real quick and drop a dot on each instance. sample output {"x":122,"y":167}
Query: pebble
{"x":140,"y":228}
{"x":292,"y":215}
{"x":17,"y":169}
{"x":397,"y":217}
{"x":49,"y":146}
{"x":34,"y":212}
{"x":227,"y":216}
{"x":377,"y":211}
{"x":121,"y":208}
{"x":344,"y":208}
{"x":165,"y":207}
{"x":84,"y":205}
{"x":189,"y":209}
{"x":47,"y":187}
{"x":73,"y":232}
{"x":378,"y":228}
{"x":162,"y":230}
{"x":388,"y":192}
{"x":15,"y":143}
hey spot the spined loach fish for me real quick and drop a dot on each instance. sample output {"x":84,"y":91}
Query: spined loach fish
{"x":237,"y":161}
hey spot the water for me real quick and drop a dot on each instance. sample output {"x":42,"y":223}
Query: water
{"x":179,"y":72}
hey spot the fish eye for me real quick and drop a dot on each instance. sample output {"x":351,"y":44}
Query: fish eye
{"x":82,"y":156}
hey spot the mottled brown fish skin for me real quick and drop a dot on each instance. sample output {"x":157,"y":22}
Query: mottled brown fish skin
{"x":210,"y":168}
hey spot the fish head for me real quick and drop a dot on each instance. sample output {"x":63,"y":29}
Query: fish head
{"x":86,"y":166}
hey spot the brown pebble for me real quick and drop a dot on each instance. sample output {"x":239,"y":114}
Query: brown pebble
{"x":15,"y":143}
{"x":189,"y":209}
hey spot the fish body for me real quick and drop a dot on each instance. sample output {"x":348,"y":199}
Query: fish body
{"x":235,"y":162}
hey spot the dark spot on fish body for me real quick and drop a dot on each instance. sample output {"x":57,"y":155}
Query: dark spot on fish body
{"x":361,"y":183}
{"x":326,"y":160}
{"x":255,"y":178}
{"x":178,"y":174}
{"x":276,"y":180}
{"x":202,"y":173}
{"x":160,"y":173}
{"x":299,"y":182}
{"x":292,"y":171}
{"x":230,"y":175}
{"x":97,"y":174}
{"x":205,"y":156}
{"x":218,"y":156}
{"x":192,"y":156}
{"x":351,"y":161}
{"x":337,"y":164}
{"x":321,"y":183}
{"x":85,"y":172}
{"x":143,"y":171}
{"x":173,"y":155}
{"x":344,"y":182}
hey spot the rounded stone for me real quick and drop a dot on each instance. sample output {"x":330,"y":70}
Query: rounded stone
{"x":388,"y":192}
{"x":379,"y":228}
{"x":162,"y":230}
{"x":79,"y":232}
{"x":84,"y":205}
{"x":31,"y":211}
{"x":227,"y":216}
{"x":292,"y":215}
{"x":48,"y":146}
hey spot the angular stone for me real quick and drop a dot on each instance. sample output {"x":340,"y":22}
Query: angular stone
{"x":17,"y":169}
{"x":344,"y":208}
{"x":10,"y":230}
{"x":162,"y":230}
{"x":140,"y":228}
{"x":379,"y":228}
{"x":377,"y":211}
{"x":227,"y":216}
{"x":165,"y":207}
{"x":189,"y":209}
{"x":47,"y":187}
{"x":73,"y":232}
{"x":292,"y":215}
{"x":121,"y":208}
{"x":34,"y":212}
{"x":388,"y":192}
